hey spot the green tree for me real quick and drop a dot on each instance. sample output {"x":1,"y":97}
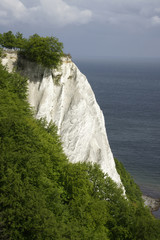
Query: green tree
{"x":20,"y":41}
{"x":8,"y":40}
{"x":43,"y":50}
{"x":30,"y":163}
{"x":46,"y":51}
{"x":132,"y":190}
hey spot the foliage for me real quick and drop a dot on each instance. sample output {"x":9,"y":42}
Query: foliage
{"x":7,"y":40}
{"x":132,"y":189}
{"x":20,"y":41}
{"x":43,"y":50}
{"x":46,"y":51}
{"x":67,"y":55}
{"x":30,"y":159}
{"x":43,"y":196}
{"x":1,"y":50}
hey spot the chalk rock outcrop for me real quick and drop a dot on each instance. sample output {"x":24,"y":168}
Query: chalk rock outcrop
{"x":65,"y":97}
{"x":153,"y":204}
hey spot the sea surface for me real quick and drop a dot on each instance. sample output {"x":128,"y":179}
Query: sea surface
{"x":128,"y":92}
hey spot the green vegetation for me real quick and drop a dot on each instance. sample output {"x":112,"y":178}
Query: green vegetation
{"x":46,"y":51}
{"x":11,"y":41}
{"x":132,"y":190}
{"x":45,"y":197}
{"x":43,"y":50}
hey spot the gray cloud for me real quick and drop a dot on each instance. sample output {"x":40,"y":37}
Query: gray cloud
{"x":55,"y":12}
{"x":11,"y":11}
{"x":145,"y":13}
{"x":122,"y":12}
{"x":64,"y":14}
{"x":155,"y":20}
{"x":130,"y":13}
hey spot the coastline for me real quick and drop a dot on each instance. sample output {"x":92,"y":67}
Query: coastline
{"x":153,"y":204}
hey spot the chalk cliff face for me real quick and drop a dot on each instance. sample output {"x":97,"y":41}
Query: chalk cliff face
{"x":65,"y":97}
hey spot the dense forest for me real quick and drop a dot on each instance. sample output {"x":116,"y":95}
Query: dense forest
{"x":44,"y":196}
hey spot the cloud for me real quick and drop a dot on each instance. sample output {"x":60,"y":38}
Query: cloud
{"x":123,"y":13}
{"x":45,"y":11}
{"x":126,"y":12}
{"x":155,"y":20}
{"x":12,"y":9}
{"x":117,"y":13}
{"x":64,"y":14}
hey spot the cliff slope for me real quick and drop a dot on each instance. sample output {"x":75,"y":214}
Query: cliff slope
{"x":65,"y":97}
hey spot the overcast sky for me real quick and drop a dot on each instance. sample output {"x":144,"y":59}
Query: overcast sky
{"x":89,"y":28}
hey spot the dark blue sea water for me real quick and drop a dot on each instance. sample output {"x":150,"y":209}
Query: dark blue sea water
{"x":128,"y":93}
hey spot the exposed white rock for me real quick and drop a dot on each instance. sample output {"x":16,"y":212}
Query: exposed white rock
{"x":153,"y":204}
{"x":9,"y":59}
{"x":71,"y":104}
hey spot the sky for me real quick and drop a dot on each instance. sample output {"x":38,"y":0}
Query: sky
{"x":89,"y":28}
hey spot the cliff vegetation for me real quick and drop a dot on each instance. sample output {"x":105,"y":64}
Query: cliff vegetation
{"x":43,"y":196}
{"x":46,"y":51}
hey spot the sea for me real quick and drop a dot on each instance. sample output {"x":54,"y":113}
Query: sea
{"x":128,"y":92}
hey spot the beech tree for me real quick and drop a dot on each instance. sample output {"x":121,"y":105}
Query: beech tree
{"x":43,"y":50}
{"x":7,"y":40}
{"x":20,"y":40}
{"x":46,"y":51}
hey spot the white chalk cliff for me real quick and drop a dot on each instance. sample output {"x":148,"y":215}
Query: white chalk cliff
{"x":71,"y":104}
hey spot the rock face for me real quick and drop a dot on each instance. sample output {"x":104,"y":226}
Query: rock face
{"x":65,"y":97}
{"x":153,"y":204}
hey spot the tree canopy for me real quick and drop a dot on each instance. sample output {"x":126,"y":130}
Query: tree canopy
{"x":11,"y":41}
{"x":43,"y":50}
{"x":46,"y":51}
